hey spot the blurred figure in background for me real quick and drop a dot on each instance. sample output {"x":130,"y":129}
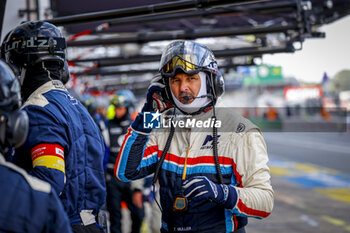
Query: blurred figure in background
{"x":154,"y":216}
{"x":97,"y":107}
{"x":27,"y":204}
{"x":122,"y":104}
{"x":64,"y":146}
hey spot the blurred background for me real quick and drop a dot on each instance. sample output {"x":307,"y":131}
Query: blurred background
{"x":286,"y":67}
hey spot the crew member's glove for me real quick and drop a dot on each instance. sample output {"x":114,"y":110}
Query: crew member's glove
{"x":154,"y":102}
{"x":199,"y":188}
{"x":154,"y":97}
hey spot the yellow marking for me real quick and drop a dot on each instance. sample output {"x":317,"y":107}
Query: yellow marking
{"x":347,"y":228}
{"x":309,"y":168}
{"x":185,"y":166}
{"x":330,"y":171}
{"x":336,"y":222}
{"x":278,"y":171}
{"x":144,"y":227}
{"x":50,"y":161}
{"x":306,"y":168}
{"x":340,"y":194}
{"x":333,"y":221}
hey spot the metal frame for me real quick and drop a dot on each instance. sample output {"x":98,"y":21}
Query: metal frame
{"x":104,"y":72}
{"x":124,"y":60}
{"x":265,"y":8}
{"x":112,"y":83}
{"x":299,"y":18}
{"x":146,"y":10}
{"x":143,"y":38}
{"x":116,"y":61}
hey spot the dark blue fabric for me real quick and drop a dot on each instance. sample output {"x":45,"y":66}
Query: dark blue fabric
{"x":117,"y":128}
{"x":106,"y":156}
{"x":23,"y":209}
{"x":137,"y":150}
{"x":200,"y":188}
{"x":137,"y":124}
{"x":201,"y":216}
{"x":54,"y":177}
{"x":147,"y":107}
{"x":102,"y":125}
{"x":66,"y":122}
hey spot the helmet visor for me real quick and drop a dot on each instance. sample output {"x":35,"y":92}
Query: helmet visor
{"x":178,"y":62}
{"x":187,"y":55}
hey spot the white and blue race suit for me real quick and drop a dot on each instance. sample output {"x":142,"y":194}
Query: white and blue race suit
{"x":243,"y":163}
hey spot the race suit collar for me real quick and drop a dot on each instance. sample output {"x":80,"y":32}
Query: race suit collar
{"x":50,"y":85}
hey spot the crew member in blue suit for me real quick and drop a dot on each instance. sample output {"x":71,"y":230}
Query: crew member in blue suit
{"x":64,"y":145}
{"x":27,"y":204}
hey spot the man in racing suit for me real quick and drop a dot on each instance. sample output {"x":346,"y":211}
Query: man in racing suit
{"x":199,"y":192}
{"x":27,"y":204}
{"x":64,"y":146}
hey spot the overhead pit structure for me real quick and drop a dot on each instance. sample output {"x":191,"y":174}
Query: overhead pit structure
{"x":239,"y":28}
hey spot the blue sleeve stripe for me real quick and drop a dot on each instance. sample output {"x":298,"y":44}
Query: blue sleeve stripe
{"x":123,"y":156}
{"x":136,"y":159}
{"x":149,"y":160}
{"x":229,"y":221}
{"x":236,"y":212}
{"x":169,"y":166}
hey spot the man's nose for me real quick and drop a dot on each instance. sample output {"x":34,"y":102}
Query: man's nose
{"x":184,"y":87}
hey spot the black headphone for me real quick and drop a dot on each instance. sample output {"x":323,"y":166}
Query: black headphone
{"x":65,"y":73}
{"x":216,"y":83}
{"x":14,"y":128}
{"x":14,"y":123}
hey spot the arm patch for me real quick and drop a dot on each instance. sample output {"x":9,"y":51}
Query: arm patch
{"x":48,"y":155}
